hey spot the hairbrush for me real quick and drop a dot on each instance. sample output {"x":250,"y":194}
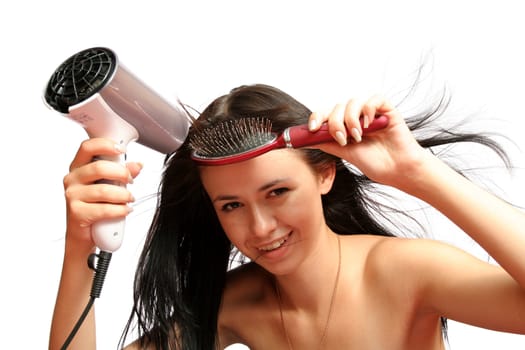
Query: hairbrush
{"x":237,"y":140}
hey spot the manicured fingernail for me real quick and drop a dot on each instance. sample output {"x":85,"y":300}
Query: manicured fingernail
{"x":312,"y":125}
{"x":356,"y":134}
{"x":366,"y":121}
{"x":119,"y":147}
{"x":130,"y":179}
{"x":340,"y":138}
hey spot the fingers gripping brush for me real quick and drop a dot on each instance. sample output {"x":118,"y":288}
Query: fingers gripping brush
{"x":93,"y":89}
{"x":245,"y":138}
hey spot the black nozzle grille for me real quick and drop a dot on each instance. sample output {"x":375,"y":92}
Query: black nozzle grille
{"x":79,"y":77}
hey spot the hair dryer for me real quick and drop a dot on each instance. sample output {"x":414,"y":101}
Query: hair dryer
{"x":95,"y":90}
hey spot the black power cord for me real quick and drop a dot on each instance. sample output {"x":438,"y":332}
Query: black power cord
{"x":101,"y":266}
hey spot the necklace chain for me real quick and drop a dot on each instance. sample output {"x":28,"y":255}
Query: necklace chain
{"x":332,"y":298}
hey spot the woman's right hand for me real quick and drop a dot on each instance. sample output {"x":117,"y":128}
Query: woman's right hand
{"x":89,"y":200}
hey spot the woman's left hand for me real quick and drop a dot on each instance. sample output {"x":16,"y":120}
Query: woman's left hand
{"x":387,"y":156}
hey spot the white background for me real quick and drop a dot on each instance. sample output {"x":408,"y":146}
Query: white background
{"x":196,"y":50}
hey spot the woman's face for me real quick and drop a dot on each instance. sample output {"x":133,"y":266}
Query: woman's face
{"x":270,"y":206}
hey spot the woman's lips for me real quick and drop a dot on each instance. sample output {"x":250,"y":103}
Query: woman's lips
{"x":274,"y":245}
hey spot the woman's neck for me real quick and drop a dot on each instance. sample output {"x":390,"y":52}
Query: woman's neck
{"x":311,"y":285}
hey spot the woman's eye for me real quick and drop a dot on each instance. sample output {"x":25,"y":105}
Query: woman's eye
{"x":278,"y":191}
{"x":230,"y":206}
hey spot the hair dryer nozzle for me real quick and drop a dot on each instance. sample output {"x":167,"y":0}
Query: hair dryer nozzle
{"x":80,"y":77}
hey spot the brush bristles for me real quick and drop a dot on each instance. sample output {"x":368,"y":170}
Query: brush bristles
{"x":232,"y":137}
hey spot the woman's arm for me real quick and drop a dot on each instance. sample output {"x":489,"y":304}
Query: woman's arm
{"x":449,"y":282}
{"x":460,"y":286}
{"x":72,"y":297}
{"x":393,"y":157}
{"x":497,"y":226}
{"x":86,"y":203}
{"x":453,"y":283}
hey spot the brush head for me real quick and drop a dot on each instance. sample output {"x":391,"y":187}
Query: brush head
{"x":231,"y":140}
{"x":237,"y":140}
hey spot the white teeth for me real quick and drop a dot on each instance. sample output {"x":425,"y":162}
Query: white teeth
{"x":274,"y":245}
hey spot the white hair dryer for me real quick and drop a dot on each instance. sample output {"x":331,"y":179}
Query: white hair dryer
{"x":95,"y":90}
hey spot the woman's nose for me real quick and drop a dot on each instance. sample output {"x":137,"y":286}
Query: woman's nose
{"x":262,"y":221}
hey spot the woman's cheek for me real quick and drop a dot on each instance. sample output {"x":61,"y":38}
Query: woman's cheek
{"x":233,"y":230}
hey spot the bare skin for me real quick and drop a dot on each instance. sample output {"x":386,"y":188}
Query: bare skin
{"x":363,"y":306}
{"x":392,"y":291}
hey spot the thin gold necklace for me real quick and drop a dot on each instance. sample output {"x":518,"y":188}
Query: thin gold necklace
{"x":323,"y":336}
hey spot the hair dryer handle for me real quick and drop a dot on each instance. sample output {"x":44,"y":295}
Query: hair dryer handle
{"x":99,"y":120}
{"x":108,"y":234}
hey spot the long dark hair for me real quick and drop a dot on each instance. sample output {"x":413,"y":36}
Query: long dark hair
{"x":182,"y":270}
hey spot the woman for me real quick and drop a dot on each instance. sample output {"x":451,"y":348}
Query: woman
{"x":324,"y":272}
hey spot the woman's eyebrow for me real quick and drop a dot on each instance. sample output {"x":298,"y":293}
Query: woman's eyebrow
{"x":271,"y":184}
{"x":226,"y":197}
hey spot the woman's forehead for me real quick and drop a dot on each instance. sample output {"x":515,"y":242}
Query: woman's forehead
{"x":282,"y":163}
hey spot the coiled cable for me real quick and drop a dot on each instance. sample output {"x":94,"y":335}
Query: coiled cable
{"x":100,"y":264}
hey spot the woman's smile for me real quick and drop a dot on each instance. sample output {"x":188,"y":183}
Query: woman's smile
{"x":274,"y":245}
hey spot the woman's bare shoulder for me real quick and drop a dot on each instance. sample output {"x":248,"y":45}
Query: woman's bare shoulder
{"x":247,"y":283}
{"x":247,"y":293}
{"x":407,"y":264}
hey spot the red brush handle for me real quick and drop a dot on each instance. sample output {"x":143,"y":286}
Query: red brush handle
{"x":300,"y":136}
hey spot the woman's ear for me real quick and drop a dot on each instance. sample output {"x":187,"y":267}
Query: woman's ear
{"x":326,"y":178}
